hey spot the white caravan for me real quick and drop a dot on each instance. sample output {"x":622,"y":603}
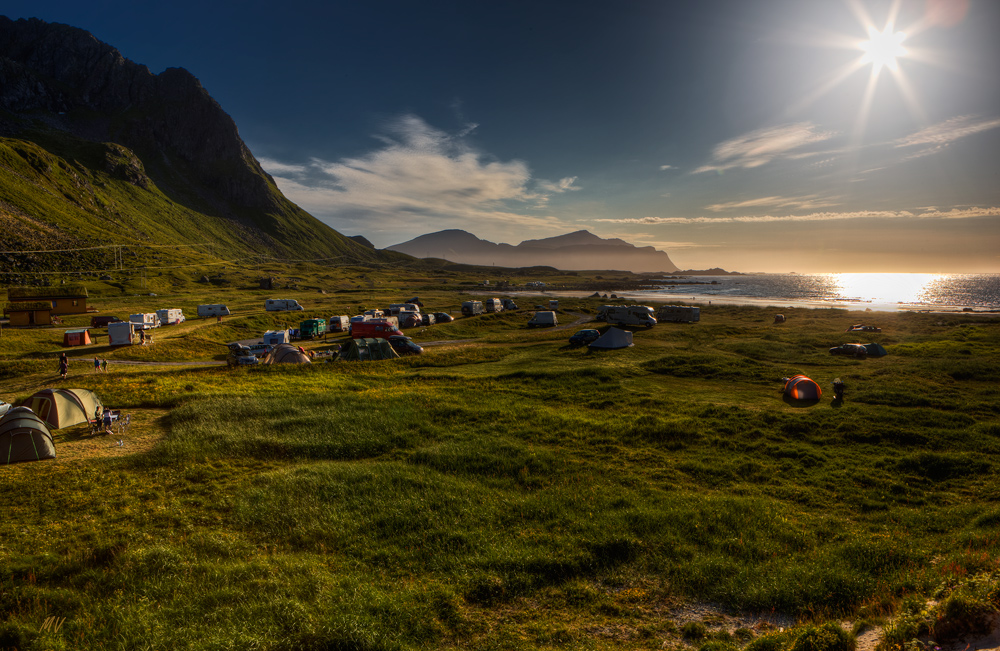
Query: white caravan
{"x":493,"y":305}
{"x":144,"y":321}
{"x":171,"y":316}
{"x":678,"y":313}
{"x":121,"y":333}
{"x":282,"y":305}
{"x":214,"y":309}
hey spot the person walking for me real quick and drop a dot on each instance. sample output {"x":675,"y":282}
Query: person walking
{"x":104,"y":365}
{"x":63,"y":366}
{"x":97,"y":365}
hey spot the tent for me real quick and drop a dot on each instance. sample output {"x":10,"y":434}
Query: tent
{"x":875,"y":350}
{"x":79,"y":337}
{"x":799,"y":387}
{"x":64,"y":407}
{"x":24,"y":437}
{"x":360,"y":350}
{"x":286,"y":354}
{"x":613,"y":338}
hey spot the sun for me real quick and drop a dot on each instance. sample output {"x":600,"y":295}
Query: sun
{"x":882,"y":48}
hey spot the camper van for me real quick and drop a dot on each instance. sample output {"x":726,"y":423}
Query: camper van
{"x":509,"y":304}
{"x":678,"y":313}
{"x":493,"y":305}
{"x":554,"y":304}
{"x":312,"y":328}
{"x":282,"y":305}
{"x":396,"y":308}
{"x":170,"y":316}
{"x":144,"y":321}
{"x":472,"y":308}
{"x":633,"y":315}
{"x":275,"y":337}
{"x":374,"y":314}
{"x":339,"y":323}
{"x":215,"y":309}
{"x":543,"y":319}
{"x":373,"y":329}
{"x":409,"y":319}
{"x":121,"y":333}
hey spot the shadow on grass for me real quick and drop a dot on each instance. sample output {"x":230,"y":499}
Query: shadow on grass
{"x":799,"y":404}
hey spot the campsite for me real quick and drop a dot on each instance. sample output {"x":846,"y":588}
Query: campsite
{"x":504,"y":489}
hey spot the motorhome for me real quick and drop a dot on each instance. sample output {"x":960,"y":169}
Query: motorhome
{"x":144,"y":321}
{"x":678,"y":313}
{"x":214,"y":309}
{"x":396,"y":308}
{"x":373,"y":329}
{"x":543,"y":319}
{"x":374,"y":314}
{"x":312,"y":328}
{"x":282,"y":305}
{"x":554,"y":304}
{"x":170,"y":316}
{"x":493,"y":305}
{"x":121,"y":333}
{"x":275,"y":337}
{"x":633,"y":315}
{"x":509,"y":304}
{"x":339,"y":323}
{"x":472,"y":308}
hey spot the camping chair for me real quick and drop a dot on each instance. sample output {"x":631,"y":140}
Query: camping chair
{"x":123,"y":424}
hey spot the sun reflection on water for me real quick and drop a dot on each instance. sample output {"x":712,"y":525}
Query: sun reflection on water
{"x":884,"y":288}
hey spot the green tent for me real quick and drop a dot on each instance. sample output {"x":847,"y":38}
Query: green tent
{"x":875,"y":350}
{"x":64,"y":407}
{"x":24,"y":437}
{"x":367,"y":349}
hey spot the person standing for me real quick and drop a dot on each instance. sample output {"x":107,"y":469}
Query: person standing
{"x":97,"y":365}
{"x":63,"y":366}
{"x":104,"y":365}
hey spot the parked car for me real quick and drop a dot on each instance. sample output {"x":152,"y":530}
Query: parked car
{"x":863,"y":328}
{"x":241,"y":356}
{"x":404,"y":345}
{"x":103,"y":321}
{"x":443,"y":317}
{"x":854,"y":350}
{"x":584,"y":337}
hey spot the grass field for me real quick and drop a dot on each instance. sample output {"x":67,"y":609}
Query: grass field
{"x":509,"y":492}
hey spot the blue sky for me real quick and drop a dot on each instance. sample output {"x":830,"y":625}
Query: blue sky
{"x":749,"y":135}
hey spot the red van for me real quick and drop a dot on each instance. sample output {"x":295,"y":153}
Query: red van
{"x":374,"y":329}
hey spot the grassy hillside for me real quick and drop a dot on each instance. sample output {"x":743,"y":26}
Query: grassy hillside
{"x":508,"y":491}
{"x":60,"y":192}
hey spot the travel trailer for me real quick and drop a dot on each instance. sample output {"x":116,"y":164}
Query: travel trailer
{"x":340,"y":323}
{"x":678,"y":313}
{"x":472,"y":308}
{"x":215,"y":309}
{"x":634,"y":315}
{"x":282,"y":305}
{"x":145,"y":321}
{"x":170,"y":316}
{"x":493,"y":305}
{"x":121,"y":333}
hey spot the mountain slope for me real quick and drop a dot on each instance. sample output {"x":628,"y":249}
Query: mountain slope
{"x":578,"y":250}
{"x":94,"y":149}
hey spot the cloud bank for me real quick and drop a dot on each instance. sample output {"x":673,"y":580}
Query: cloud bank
{"x":423,"y":172}
{"x":955,"y":213}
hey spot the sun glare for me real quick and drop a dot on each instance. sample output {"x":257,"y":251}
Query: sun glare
{"x":882,"y":48}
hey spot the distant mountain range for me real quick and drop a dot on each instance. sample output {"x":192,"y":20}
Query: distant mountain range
{"x":575,"y":251}
{"x":95,"y":149}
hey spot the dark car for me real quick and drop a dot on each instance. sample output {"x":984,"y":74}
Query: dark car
{"x":584,"y":337}
{"x":443,"y":317}
{"x":863,"y":328}
{"x":404,"y":345}
{"x":103,"y":321}
{"x":853,"y":350}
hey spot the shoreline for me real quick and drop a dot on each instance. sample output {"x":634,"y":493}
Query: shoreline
{"x":704,"y":300}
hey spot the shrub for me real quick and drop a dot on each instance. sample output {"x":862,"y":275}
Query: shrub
{"x":961,"y":615}
{"x":767,"y":643}
{"x":718,"y":645}
{"x":693,"y":631}
{"x":828,"y":637}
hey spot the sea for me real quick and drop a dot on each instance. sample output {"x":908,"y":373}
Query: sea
{"x":855,"y":291}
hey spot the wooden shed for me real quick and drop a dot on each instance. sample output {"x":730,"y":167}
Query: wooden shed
{"x":29,"y":313}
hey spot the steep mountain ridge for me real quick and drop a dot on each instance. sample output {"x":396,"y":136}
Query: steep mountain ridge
{"x":577,"y":250}
{"x":87,"y":136}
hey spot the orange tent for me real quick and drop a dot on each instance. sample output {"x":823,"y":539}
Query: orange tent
{"x":77,"y":338}
{"x":799,"y":387}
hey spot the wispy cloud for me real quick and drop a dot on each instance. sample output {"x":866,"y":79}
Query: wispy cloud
{"x":664,"y":168}
{"x":810,"y":202}
{"x":420,"y":170}
{"x":949,"y":131}
{"x":762,"y":146}
{"x":956,"y":213}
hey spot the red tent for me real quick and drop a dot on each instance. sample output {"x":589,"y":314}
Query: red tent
{"x":77,"y":338}
{"x":799,"y":387}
